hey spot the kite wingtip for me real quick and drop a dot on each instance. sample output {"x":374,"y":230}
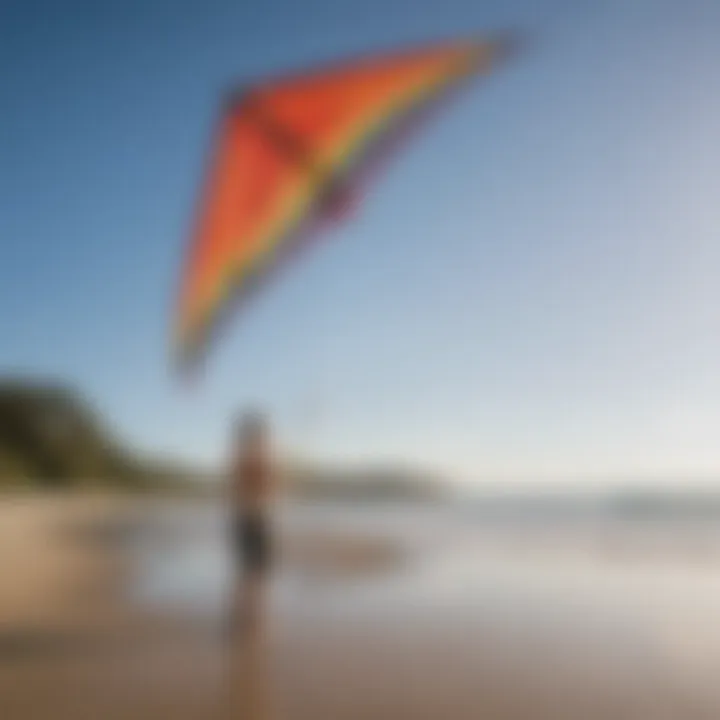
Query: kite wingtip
{"x":499,"y":47}
{"x":503,"y":44}
{"x":509,"y":43}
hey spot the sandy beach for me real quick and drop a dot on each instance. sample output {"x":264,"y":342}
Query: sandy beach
{"x":356,"y":626}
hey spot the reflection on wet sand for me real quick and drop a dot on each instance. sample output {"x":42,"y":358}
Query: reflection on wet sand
{"x":249,"y":691}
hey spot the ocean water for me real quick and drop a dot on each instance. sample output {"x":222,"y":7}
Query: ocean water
{"x":618,"y":595}
{"x":450,"y":547}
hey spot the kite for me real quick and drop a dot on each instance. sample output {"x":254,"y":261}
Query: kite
{"x":288,"y":158}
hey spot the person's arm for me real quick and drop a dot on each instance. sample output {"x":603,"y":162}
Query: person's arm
{"x":275,"y":480}
{"x":234,"y":485}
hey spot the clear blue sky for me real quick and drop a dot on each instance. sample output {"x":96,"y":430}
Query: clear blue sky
{"x":532,"y":288}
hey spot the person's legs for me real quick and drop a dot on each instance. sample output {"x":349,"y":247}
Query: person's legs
{"x":238,"y":581}
{"x":255,"y":550}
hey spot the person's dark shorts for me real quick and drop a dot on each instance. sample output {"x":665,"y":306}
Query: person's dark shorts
{"x":253,"y":542}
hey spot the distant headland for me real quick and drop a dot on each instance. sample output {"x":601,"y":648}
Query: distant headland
{"x":52,"y":437}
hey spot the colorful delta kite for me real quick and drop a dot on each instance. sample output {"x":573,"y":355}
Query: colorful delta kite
{"x":289,"y":157}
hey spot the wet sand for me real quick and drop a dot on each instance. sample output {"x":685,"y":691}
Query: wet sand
{"x":364,"y":631}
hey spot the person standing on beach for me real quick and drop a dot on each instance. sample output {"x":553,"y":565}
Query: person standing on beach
{"x":253,"y":491}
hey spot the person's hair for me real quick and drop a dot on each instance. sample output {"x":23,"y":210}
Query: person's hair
{"x":251,"y":424}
